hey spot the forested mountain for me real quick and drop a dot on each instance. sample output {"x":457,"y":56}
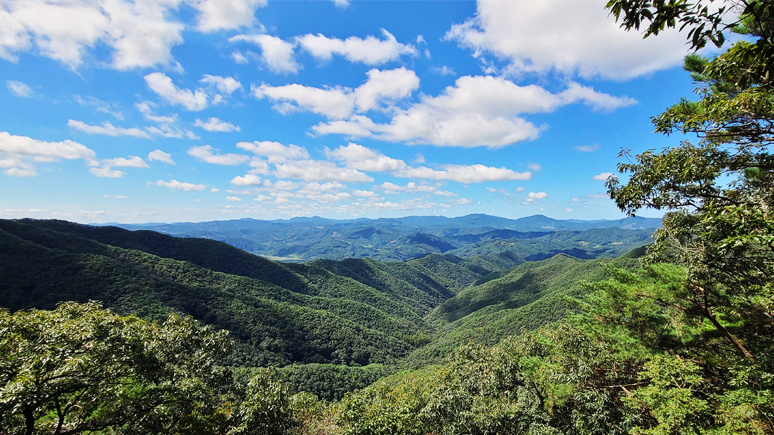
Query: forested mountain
{"x":400,"y":239}
{"x":353,"y":312}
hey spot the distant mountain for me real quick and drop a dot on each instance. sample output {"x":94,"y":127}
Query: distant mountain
{"x":400,"y":239}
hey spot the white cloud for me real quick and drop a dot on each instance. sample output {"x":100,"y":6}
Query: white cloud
{"x":321,"y":187}
{"x":160,"y":156}
{"x":314,"y":170}
{"x":247,"y":180}
{"x":276,"y":53}
{"x":106,"y":172}
{"x":206,"y":153}
{"x":215,"y":124}
{"x":275,"y":152}
{"x":146,"y":108}
{"x":444,"y":71}
{"x":534,"y":166}
{"x":233,"y":198}
{"x":370,"y":51}
{"x":365,"y":193}
{"x":365,"y":159}
{"x":174,"y":184}
{"x":225,"y":85}
{"x":163,"y":86}
{"x":464,"y":173}
{"x":106,"y":169}
{"x":568,"y":36}
{"x":413,"y":187}
{"x":217,"y":15}
{"x":131,"y":162}
{"x":107,"y":129}
{"x":239,"y":58}
{"x":281,"y":184}
{"x":444,"y":193}
{"x":18,"y":88}
{"x":537,"y":195}
{"x":476,"y":111}
{"x":587,"y":148}
{"x":390,"y":85}
{"x":602,"y":177}
{"x":99,"y":105}
{"x":19,"y":153}
{"x":341,"y":3}
{"x":137,"y":34}
{"x":329,"y":102}
{"x":338,"y":102}
{"x":169,"y":131}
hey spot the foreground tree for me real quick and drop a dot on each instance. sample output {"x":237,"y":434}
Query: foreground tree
{"x":714,"y":333}
{"x":81,"y":368}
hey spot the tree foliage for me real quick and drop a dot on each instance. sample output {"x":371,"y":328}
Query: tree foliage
{"x":82,"y":369}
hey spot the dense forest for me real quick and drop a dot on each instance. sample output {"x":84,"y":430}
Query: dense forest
{"x":106,"y":330}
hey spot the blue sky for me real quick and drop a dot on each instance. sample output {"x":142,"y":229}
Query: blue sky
{"x":191,"y":110}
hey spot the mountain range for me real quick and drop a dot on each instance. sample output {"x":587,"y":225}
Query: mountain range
{"x":399,"y":239}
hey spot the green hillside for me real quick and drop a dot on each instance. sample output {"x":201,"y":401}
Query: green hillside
{"x":523,"y":298}
{"x":334,"y":325}
{"x":298,"y":314}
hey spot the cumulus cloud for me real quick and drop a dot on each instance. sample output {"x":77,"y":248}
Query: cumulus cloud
{"x":224,"y":85}
{"x":217,"y":15}
{"x":365,"y":159}
{"x":275,"y":152}
{"x":370,"y":51}
{"x":206,"y":153}
{"x":602,"y":177}
{"x":276,"y":53}
{"x":18,"y":88}
{"x":18,"y":154}
{"x":190,"y":100}
{"x":464,"y":173}
{"x":392,"y":188}
{"x":247,"y":180}
{"x":138,"y":34}
{"x":107,"y":129}
{"x":365,"y":193}
{"x":587,"y":148}
{"x":475,"y":111}
{"x":233,"y":198}
{"x":567,"y":36}
{"x":160,"y":156}
{"x":314,"y":170}
{"x":179,"y":185}
{"x":321,"y":187}
{"x":329,"y":102}
{"x":339,"y":102}
{"x":105,"y":170}
{"x":381,"y":86}
{"x":215,"y":124}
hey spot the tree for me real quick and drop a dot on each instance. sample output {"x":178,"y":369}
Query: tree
{"x":718,"y":196}
{"x":80,"y":368}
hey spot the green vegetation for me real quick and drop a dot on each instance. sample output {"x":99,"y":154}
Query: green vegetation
{"x":82,"y":369}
